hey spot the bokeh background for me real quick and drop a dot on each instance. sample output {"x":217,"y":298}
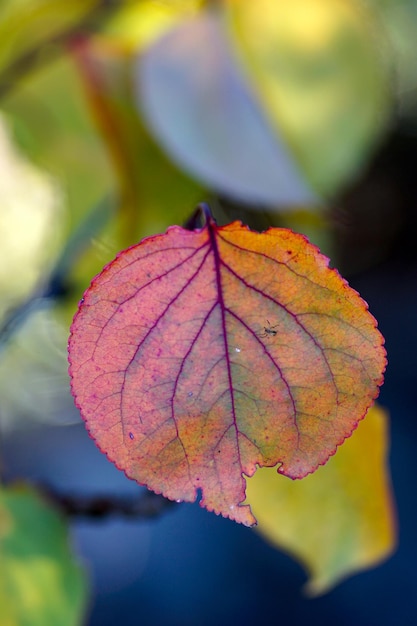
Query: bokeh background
{"x":116,"y":119}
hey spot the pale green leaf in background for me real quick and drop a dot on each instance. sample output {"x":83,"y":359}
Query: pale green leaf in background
{"x":321,"y":71}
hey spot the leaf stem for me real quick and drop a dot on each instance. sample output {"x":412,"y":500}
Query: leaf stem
{"x":201,"y":217}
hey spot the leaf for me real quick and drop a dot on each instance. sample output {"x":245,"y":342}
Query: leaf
{"x":185,"y":384}
{"x":33,"y":372}
{"x":205,"y":116}
{"x":339,"y":520}
{"x":27,"y":24}
{"x":136,"y":25}
{"x":146,"y":178}
{"x":399,"y":18}
{"x":30,"y":216}
{"x":40,"y":580}
{"x":322,"y":72}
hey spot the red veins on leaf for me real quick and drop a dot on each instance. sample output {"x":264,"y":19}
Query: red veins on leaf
{"x":196,"y":356}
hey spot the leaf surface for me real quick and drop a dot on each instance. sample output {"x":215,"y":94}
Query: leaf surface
{"x":339,"y":520}
{"x":196,"y":355}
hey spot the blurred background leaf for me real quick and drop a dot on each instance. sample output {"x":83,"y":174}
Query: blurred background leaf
{"x":27,"y":24}
{"x":33,"y":372}
{"x":41,"y":581}
{"x":138,"y":24}
{"x":322,"y":73}
{"x":399,"y":21}
{"x":205,"y":116}
{"x":338,"y":520}
{"x":31,"y":223}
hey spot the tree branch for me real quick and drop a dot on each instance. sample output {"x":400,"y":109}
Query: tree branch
{"x":39,"y":55}
{"x":145,"y":506}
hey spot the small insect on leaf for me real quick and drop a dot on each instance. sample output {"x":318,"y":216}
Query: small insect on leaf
{"x":163,"y":352}
{"x":268,"y":331}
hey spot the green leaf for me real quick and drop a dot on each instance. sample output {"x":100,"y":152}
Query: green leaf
{"x":41,"y":583}
{"x":399,"y":17}
{"x":26,"y":24}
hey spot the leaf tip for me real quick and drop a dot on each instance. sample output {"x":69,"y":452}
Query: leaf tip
{"x":240,"y":513}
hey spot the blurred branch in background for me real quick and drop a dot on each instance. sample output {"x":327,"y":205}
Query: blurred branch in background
{"x":35,"y":57}
{"x":142,"y":507}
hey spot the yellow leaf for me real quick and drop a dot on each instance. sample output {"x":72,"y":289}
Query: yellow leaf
{"x":338,"y":520}
{"x":25,"y":24}
{"x":137,"y":24}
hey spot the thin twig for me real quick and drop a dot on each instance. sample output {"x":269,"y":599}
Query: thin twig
{"x":144,"y":506}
